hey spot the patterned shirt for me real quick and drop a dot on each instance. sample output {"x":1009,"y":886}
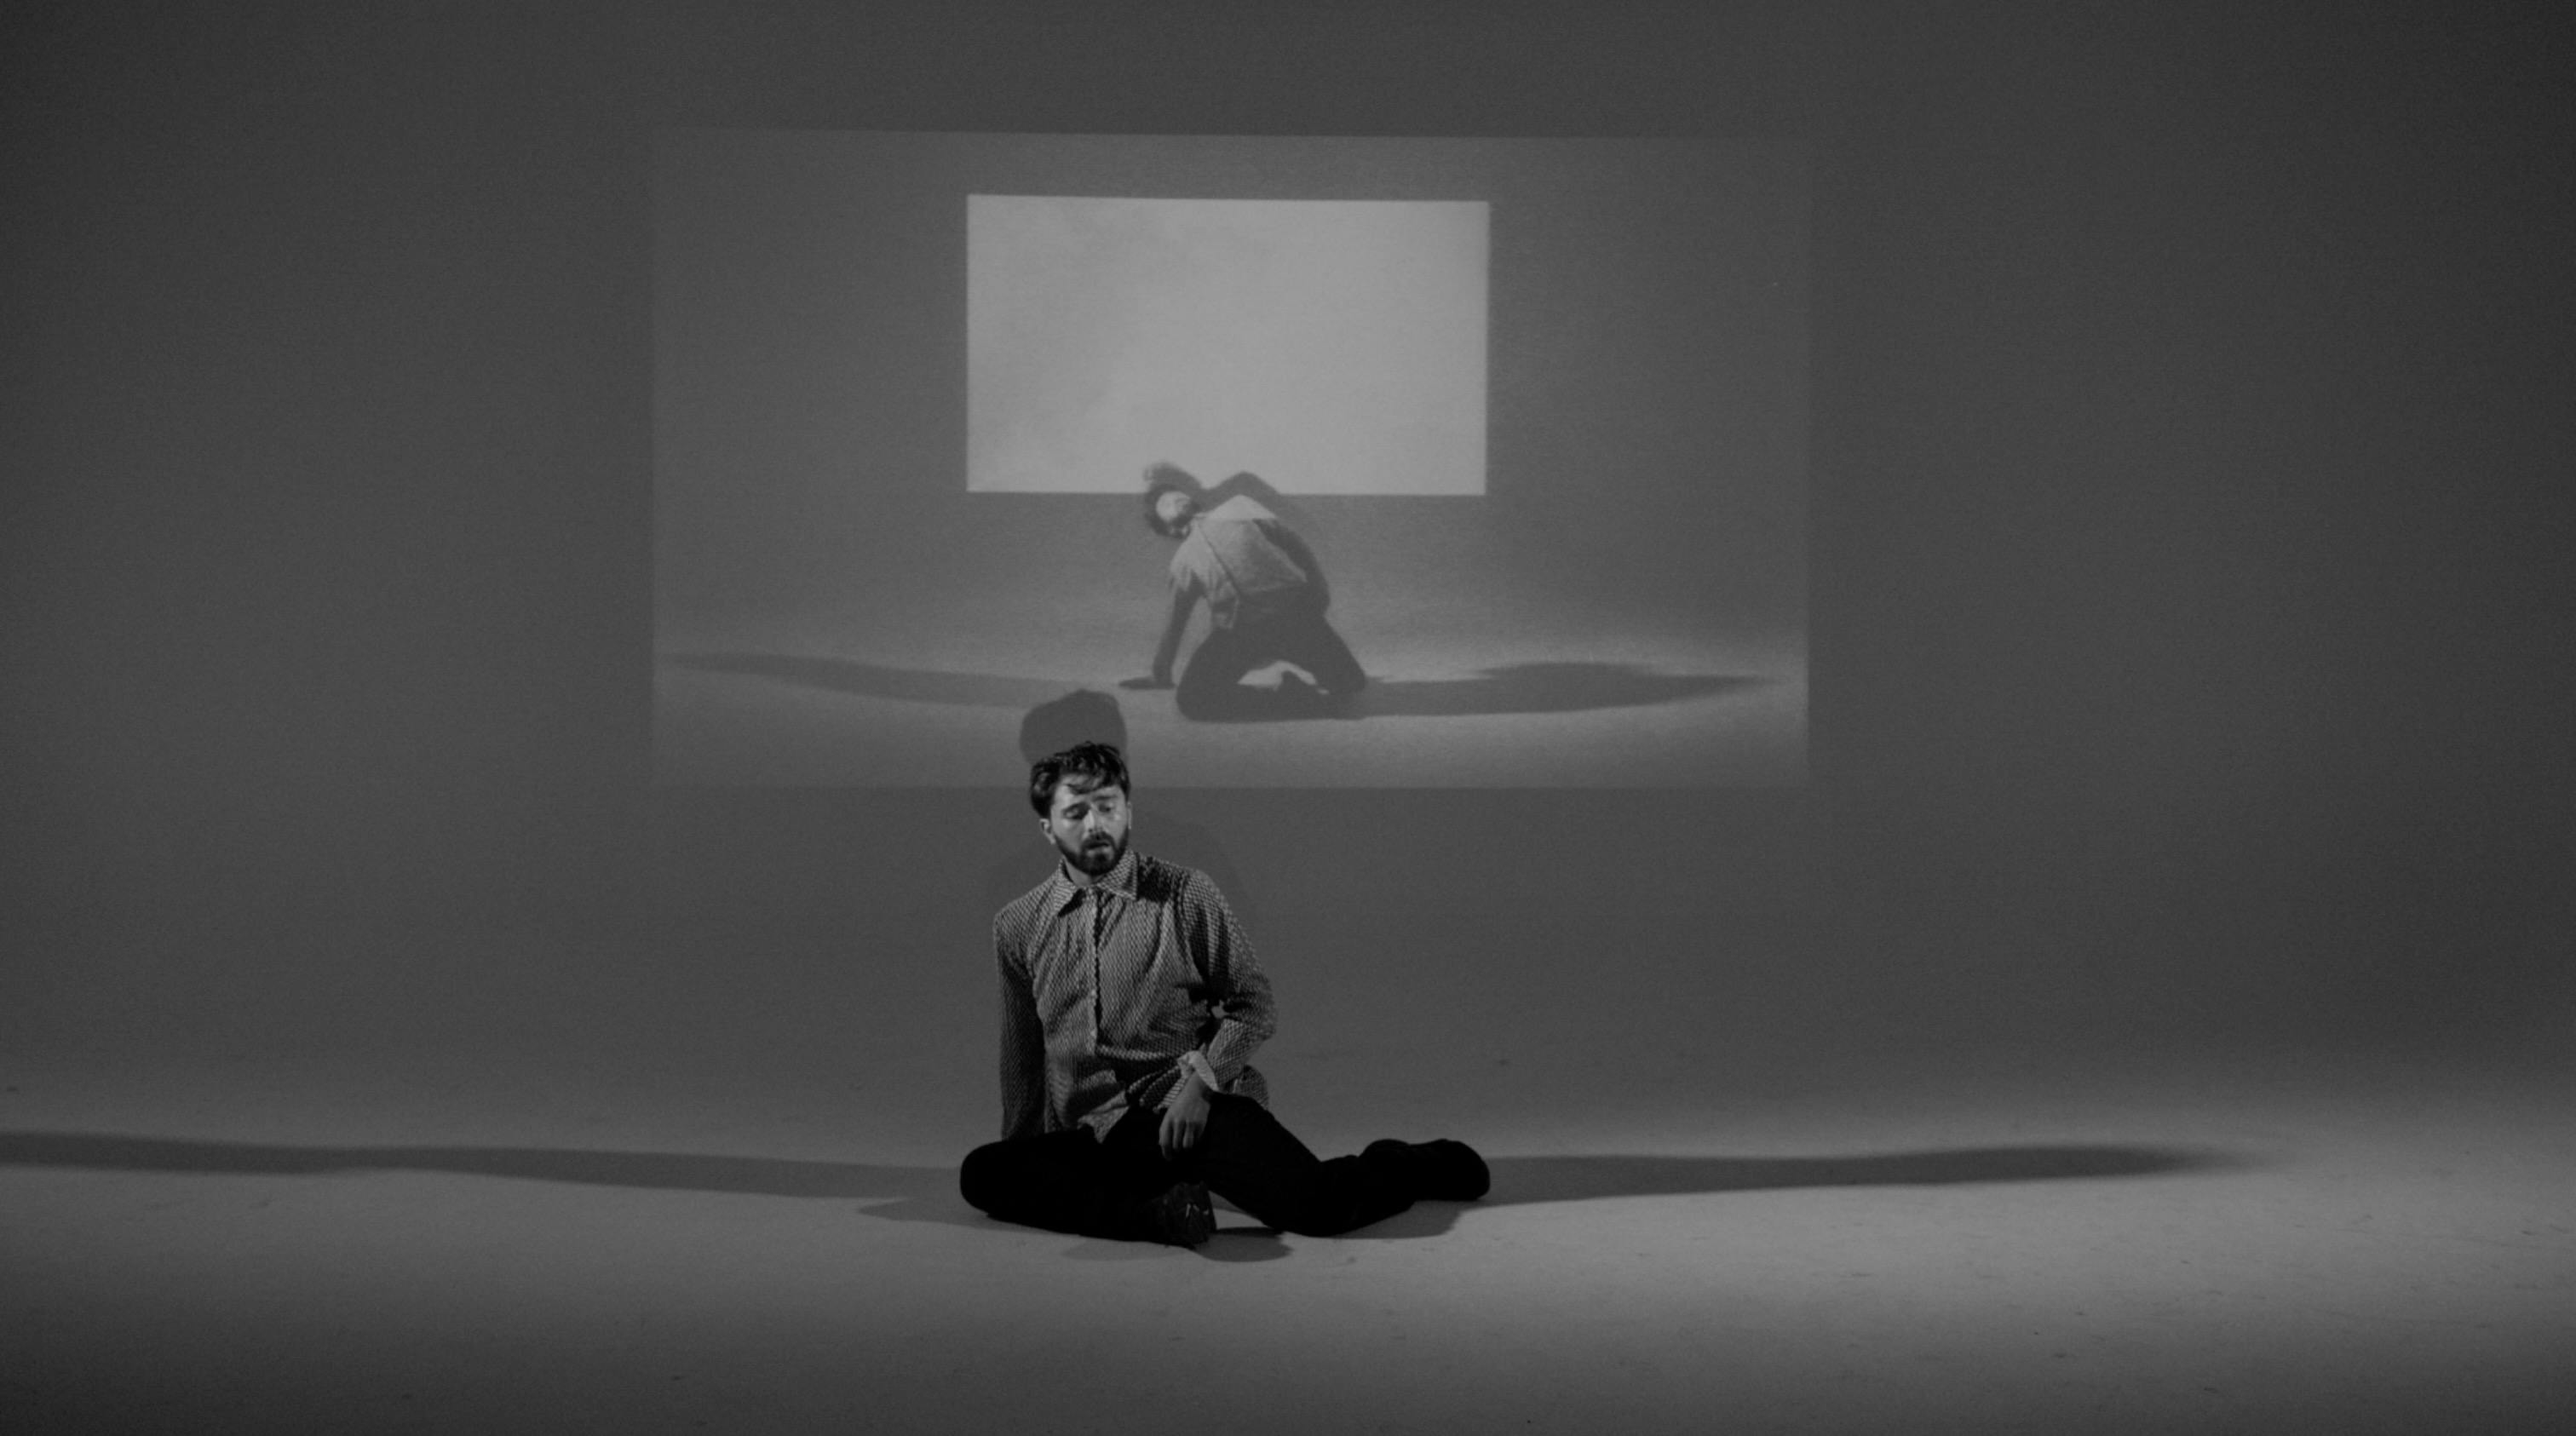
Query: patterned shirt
{"x":1230,"y":556}
{"x":1105,"y":987}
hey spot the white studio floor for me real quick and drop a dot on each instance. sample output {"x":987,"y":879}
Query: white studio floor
{"x":2211,"y":1246}
{"x":1522,"y":706}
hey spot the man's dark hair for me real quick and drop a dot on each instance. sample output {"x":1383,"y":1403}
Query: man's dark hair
{"x":1164,"y":479}
{"x":1085,"y":765}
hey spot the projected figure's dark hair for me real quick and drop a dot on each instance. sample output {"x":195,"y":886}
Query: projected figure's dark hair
{"x":1165,"y":478}
{"x":1084,"y":765}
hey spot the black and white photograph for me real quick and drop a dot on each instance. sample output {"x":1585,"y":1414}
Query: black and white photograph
{"x":1264,"y":717}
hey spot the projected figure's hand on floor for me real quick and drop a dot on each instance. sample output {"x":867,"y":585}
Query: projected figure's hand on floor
{"x":1131,"y":1007}
{"x":1265,"y":597}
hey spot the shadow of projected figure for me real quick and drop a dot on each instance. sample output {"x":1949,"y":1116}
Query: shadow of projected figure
{"x":1265,"y":595}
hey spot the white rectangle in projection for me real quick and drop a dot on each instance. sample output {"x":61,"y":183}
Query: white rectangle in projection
{"x":1329,"y":346}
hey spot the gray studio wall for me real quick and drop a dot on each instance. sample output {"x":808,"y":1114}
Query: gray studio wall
{"x":2189,"y":600}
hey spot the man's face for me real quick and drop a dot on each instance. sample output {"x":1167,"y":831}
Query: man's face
{"x":1089,"y":826}
{"x":1174,"y":508}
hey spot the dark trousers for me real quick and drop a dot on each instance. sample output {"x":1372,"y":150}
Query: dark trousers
{"x":1212,"y":684}
{"x":1067,"y":1182}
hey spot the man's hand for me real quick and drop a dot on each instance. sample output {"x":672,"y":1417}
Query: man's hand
{"x":1159,"y":680}
{"x":1185,"y":1117}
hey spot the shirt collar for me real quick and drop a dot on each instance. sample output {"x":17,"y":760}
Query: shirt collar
{"x":1120,"y":880}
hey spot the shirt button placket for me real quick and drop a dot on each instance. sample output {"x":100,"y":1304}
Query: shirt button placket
{"x":1091,"y":935}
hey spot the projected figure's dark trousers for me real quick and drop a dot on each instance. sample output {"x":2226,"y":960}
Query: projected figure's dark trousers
{"x":1212,"y":684}
{"x":1068,"y":1182}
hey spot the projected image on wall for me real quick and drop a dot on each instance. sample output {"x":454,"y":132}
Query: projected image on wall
{"x":1285,"y":463}
{"x":1335,"y":346}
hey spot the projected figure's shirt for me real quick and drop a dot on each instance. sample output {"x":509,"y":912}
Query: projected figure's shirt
{"x":1230,"y":556}
{"x":1103,"y":989}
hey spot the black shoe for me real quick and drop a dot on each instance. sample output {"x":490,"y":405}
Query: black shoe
{"x":1442,"y":1171}
{"x":1451,"y":1171}
{"x":1182,"y":1216}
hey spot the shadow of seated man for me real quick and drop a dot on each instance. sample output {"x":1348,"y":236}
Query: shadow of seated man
{"x":1266,"y":597}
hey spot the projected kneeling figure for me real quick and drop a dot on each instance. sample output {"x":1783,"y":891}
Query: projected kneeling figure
{"x":1265,"y":597}
{"x":1131,"y":1005}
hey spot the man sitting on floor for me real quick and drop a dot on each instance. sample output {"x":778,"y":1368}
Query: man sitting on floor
{"x":1131,"y":1003}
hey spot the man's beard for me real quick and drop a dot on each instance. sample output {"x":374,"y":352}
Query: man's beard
{"x":1094,"y":859}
